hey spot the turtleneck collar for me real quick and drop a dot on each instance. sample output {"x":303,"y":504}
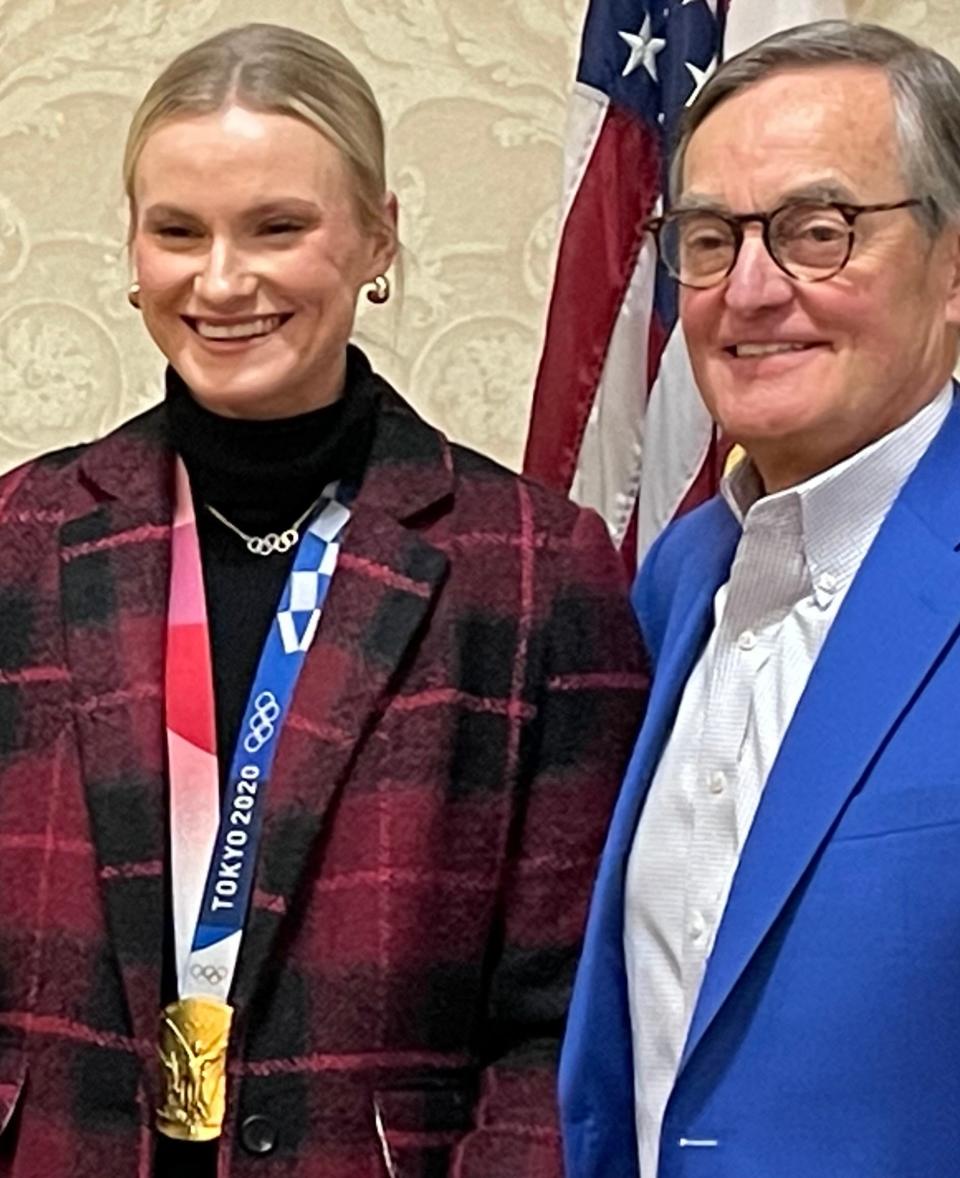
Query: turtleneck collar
{"x":263,"y":474}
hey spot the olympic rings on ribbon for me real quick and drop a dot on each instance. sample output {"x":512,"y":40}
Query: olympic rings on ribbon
{"x":262,"y":723}
{"x":214,"y":974}
{"x":272,"y":542}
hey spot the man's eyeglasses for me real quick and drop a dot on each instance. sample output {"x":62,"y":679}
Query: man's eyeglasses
{"x":809,"y":240}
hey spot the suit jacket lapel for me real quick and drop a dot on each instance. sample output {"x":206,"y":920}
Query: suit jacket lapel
{"x":687,"y":624}
{"x":901,"y":611}
{"x":114,"y":574}
{"x":380,"y":598}
{"x":597,"y":1074}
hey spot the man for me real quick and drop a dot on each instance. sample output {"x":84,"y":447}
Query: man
{"x":770,"y":986}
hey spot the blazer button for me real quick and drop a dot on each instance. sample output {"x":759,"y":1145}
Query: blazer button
{"x":258,"y":1135}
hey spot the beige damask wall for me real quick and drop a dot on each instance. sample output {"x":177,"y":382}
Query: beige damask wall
{"x":473,"y":93}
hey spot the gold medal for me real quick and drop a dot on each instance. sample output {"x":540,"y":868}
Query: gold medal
{"x":194,"y":1033}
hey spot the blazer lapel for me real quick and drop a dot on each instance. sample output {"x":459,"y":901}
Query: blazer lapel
{"x":901,"y":611}
{"x":115,"y":584}
{"x":114,"y":573}
{"x":597,"y":1072}
{"x":688,"y":627}
{"x":380,"y":599}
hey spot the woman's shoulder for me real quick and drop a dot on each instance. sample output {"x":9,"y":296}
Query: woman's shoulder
{"x":39,"y":483}
{"x":491,"y":498}
{"x":482,"y":486}
{"x":477,"y":474}
{"x":46,"y":482}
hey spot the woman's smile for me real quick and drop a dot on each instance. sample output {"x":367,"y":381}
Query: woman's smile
{"x":234,"y":333}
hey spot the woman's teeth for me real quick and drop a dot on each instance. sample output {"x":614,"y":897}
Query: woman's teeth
{"x":252,"y":327}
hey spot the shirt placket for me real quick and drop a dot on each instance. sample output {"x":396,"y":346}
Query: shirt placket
{"x":758,"y":596}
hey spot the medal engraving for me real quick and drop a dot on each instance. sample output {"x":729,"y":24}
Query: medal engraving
{"x":194,"y":1034}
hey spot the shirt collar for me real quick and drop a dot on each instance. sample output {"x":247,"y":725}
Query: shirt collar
{"x":838,"y":512}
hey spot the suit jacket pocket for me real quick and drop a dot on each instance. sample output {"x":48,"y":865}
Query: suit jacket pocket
{"x":419,"y":1123}
{"x":438,"y":1102}
{"x":884,"y":808}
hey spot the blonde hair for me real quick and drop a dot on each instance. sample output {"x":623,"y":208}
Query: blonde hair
{"x":276,"y":70}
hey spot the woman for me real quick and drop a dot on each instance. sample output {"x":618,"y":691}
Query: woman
{"x":361,"y":966}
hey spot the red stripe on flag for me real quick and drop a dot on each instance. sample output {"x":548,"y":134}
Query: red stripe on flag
{"x":598,"y":252}
{"x":656,"y":342}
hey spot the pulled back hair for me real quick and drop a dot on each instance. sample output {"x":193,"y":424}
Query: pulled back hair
{"x":273,"y":70}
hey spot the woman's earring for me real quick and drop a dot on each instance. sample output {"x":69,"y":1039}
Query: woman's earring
{"x":381,"y":290}
{"x":133,"y":295}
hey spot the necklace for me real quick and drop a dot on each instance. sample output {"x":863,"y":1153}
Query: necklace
{"x":272,"y":541}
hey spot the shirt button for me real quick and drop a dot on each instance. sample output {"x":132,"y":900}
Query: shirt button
{"x":718,"y":782}
{"x":827,"y":583}
{"x":697,"y":928}
{"x":258,"y":1135}
{"x":747,"y":640}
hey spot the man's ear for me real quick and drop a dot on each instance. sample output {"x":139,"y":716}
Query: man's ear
{"x":953,"y":290}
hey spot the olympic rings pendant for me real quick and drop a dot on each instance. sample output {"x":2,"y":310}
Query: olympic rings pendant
{"x":273,"y":542}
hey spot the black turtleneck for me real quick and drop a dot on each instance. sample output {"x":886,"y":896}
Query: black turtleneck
{"x":261,"y":475}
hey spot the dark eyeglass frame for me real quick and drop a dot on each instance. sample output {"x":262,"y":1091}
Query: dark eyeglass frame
{"x":736,"y":223}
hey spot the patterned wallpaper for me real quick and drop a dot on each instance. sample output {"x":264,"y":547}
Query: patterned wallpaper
{"x":474,"y":98}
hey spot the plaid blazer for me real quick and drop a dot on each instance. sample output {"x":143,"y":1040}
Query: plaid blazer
{"x":437,"y":808}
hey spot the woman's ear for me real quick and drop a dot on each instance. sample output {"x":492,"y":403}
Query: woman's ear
{"x":385,"y":236}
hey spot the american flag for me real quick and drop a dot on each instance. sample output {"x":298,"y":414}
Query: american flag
{"x":617,"y":421}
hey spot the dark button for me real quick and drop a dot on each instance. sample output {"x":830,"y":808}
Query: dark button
{"x":258,"y":1135}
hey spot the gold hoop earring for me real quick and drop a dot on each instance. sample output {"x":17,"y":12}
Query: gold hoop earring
{"x":133,"y":295}
{"x":381,"y":290}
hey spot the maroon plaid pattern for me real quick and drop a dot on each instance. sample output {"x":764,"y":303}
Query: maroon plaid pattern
{"x":438,"y":806}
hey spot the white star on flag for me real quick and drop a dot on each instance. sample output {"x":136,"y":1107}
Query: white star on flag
{"x":644,"y":47}
{"x":699,"y":79}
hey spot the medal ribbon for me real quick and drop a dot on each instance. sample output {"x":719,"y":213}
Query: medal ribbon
{"x":214,"y":853}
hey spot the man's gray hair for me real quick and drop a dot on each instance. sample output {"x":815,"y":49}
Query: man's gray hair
{"x":926,"y":97}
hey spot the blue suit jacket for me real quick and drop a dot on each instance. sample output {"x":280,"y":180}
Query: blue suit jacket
{"x":826,"y":1039}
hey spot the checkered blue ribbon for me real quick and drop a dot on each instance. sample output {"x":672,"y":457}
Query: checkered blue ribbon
{"x":229,"y":882}
{"x":301,"y":603}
